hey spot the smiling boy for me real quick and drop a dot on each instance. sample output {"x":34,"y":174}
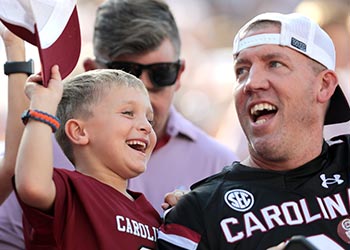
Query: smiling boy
{"x":106,"y":131}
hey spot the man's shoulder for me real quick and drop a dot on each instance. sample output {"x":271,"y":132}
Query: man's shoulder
{"x":215,"y":179}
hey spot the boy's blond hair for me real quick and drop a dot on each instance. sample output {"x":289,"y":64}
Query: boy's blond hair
{"x":82,"y":92}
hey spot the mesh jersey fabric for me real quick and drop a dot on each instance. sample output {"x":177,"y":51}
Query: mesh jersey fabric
{"x":247,"y":208}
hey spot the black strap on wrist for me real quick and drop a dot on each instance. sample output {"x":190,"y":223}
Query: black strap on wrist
{"x":19,"y":67}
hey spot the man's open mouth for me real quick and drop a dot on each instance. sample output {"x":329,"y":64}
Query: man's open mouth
{"x":261,"y":112}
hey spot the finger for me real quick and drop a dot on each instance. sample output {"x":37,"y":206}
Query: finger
{"x":178,"y":194}
{"x":165,"y":206}
{"x":37,"y":78}
{"x":55,"y":73}
{"x":170,"y":199}
{"x":278,"y":247}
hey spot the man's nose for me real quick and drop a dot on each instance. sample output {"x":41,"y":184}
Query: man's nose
{"x":257,"y":79}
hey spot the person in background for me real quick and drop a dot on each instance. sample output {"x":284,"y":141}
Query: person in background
{"x":294,"y":182}
{"x":16,"y":103}
{"x":104,"y":126}
{"x":141,"y":37}
{"x":11,"y":229}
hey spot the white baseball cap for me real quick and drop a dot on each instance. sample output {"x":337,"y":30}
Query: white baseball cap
{"x":51,"y":25}
{"x":301,"y":34}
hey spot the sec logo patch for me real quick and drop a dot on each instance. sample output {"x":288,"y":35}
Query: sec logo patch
{"x":239,"y":200}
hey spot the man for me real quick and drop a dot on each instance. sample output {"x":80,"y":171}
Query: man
{"x":142,"y":38}
{"x":293,"y":182}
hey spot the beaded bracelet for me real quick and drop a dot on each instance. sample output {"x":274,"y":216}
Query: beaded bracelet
{"x":41,"y":116}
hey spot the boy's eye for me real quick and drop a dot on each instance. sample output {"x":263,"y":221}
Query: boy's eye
{"x":151,"y":121}
{"x":130,"y":113}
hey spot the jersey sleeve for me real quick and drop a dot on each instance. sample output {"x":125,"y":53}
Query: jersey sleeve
{"x":183,"y":226}
{"x":39,"y":227}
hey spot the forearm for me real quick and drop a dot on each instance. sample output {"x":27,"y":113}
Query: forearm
{"x":34,"y":166}
{"x":6,"y":174}
{"x":17,"y":102}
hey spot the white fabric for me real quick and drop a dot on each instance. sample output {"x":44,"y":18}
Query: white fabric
{"x":297,"y":32}
{"x":50,"y":16}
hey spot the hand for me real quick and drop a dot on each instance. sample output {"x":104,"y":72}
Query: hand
{"x":278,"y":247}
{"x":45,"y":98}
{"x":15,"y":50}
{"x":172,"y":198}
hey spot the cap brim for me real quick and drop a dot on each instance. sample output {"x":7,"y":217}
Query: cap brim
{"x":339,"y":110}
{"x":64,"y":52}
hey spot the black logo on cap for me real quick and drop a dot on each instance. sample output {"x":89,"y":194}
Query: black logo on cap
{"x":298,"y":44}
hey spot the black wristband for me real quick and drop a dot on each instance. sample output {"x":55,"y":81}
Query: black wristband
{"x":19,"y":67}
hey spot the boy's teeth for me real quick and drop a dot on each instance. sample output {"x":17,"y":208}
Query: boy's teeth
{"x":137,"y":143}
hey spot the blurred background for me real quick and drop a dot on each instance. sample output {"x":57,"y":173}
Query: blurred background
{"x":207,"y":29}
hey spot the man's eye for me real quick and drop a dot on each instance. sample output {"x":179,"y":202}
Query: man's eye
{"x":275,"y":64}
{"x":240,"y":71}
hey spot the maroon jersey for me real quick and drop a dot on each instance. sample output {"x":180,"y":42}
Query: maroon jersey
{"x":88,"y":214}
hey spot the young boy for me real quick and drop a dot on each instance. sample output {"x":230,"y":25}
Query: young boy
{"x":107,"y":133}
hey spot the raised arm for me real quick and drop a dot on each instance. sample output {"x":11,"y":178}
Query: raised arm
{"x":17,"y":102}
{"x":34,"y":166}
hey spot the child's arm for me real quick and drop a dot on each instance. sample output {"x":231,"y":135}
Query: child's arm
{"x":17,"y":102}
{"x":34,"y":166}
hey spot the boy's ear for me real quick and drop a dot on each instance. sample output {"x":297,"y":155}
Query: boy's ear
{"x":75,"y":132}
{"x":329,"y":83}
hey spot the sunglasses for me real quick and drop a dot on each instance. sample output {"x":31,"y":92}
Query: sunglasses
{"x":160,"y":74}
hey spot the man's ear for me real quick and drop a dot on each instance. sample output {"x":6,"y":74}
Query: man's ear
{"x":329,"y":83}
{"x":76,"y":133}
{"x":181,"y":70}
{"x":90,"y":64}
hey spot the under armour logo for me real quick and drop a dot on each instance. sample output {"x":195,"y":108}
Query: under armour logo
{"x":329,"y":181}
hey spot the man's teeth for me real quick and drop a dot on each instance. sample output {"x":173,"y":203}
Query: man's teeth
{"x":260,"y":107}
{"x":261,"y":121}
{"x":138,"y":143}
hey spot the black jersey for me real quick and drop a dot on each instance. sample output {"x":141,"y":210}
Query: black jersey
{"x":248,"y":208}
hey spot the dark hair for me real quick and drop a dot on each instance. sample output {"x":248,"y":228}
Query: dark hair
{"x":125,"y":27}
